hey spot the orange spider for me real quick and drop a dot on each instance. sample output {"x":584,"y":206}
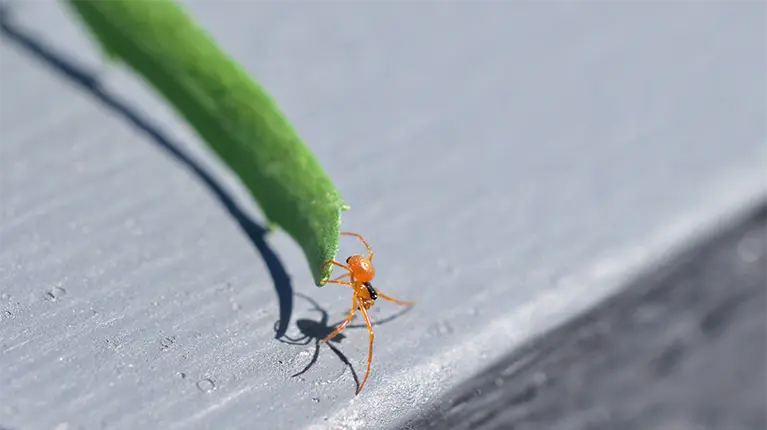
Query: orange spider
{"x":361,"y":271}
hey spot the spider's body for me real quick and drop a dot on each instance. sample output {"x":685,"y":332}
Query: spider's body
{"x":361,"y":268}
{"x":360,"y":272}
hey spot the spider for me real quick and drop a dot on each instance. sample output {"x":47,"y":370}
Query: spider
{"x":360,"y":272}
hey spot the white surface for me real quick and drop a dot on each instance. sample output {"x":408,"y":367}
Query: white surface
{"x":509,"y":162}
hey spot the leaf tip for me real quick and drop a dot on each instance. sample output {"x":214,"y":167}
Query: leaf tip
{"x":271,"y":227}
{"x":324,"y":275}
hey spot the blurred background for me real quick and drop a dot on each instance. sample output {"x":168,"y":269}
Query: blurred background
{"x":511,"y":163}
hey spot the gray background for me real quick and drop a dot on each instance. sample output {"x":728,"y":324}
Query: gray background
{"x":510,"y":162}
{"x":682,"y":347}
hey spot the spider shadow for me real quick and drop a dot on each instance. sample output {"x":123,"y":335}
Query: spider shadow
{"x":316,"y":331}
{"x":89,"y":83}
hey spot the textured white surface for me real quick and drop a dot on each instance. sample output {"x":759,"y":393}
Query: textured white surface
{"x":510,"y":162}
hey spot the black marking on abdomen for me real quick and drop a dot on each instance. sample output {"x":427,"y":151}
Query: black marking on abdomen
{"x":371,"y":290}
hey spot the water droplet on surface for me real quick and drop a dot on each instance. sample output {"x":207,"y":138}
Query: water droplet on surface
{"x":441,"y":329}
{"x":167,"y":342}
{"x":206,"y":385}
{"x":181,"y":375}
{"x":236,"y":306}
{"x":55,"y":293}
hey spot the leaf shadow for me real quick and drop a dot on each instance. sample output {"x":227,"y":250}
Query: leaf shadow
{"x":88,"y":82}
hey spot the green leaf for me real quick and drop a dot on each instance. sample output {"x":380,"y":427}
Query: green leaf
{"x":236,"y":117}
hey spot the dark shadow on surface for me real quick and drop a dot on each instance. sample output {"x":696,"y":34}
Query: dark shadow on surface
{"x":89,"y":82}
{"x":315,"y":331}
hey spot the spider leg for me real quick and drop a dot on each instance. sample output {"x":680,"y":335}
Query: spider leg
{"x":342,"y":276}
{"x":333,"y":281}
{"x":345,"y":323}
{"x":370,"y":350}
{"x":392,"y":299}
{"x":334,"y":262}
{"x":364,"y":242}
